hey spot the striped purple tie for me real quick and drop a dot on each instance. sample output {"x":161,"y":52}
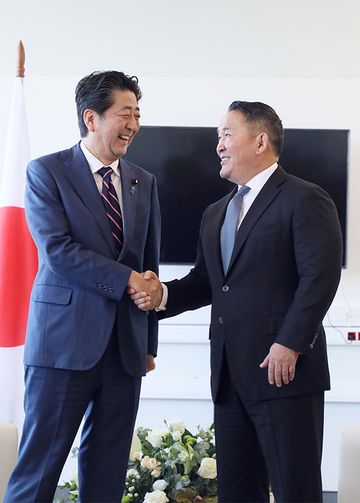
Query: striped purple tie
{"x":112,"y":207}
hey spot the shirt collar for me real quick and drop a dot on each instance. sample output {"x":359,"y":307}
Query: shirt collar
{"x":94,"y":163}
{"x":257,"y":183}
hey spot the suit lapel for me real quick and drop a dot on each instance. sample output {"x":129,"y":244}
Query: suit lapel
{"x":129,"y":197}
{"x":83,"y":182}
{"x":267,"y":194}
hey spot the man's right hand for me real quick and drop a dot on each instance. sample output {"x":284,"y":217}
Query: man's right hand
{"x":145,"y":290}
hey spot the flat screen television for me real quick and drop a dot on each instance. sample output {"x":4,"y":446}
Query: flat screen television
{"x":186,"y":166}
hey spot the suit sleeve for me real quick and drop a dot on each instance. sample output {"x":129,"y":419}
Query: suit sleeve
{"x":151,"y":262}
{"x":318,"y":254}
{"x":192,"y":291}
{"x":50,"y":229}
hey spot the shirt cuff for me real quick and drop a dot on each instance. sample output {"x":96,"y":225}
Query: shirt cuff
{"x":162,"y":305}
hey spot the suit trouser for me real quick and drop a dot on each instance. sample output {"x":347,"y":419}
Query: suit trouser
{"x":55,"y":403}
{"x":268,"y":441}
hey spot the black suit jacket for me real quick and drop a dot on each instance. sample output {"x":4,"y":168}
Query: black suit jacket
{"x":282,"y":277}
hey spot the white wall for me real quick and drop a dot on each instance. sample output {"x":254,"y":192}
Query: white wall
{"x":193,"y":58}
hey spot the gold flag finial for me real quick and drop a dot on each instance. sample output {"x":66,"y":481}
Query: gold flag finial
{"x":20,"y":72}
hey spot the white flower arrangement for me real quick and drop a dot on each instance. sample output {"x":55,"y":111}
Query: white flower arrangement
{"x":171,"y":465}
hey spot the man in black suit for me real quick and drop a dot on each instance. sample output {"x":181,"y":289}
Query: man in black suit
{"x":270,"y":286}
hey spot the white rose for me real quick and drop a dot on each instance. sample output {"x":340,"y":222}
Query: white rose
{"x":207,"y":468}
{"x":156,"y":473}
{"x":155,"y":437}
{"x":177,"y":425}
{"x":149,"y":463}
{"x":176,"y":435}
{"x":156,"y":497}
{"x":132,"y":472}
{"x":160,"y":485}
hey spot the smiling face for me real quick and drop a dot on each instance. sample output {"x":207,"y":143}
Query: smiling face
{"x":240,"y":148}
{"x":110,"y":134}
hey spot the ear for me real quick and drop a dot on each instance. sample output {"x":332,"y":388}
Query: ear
{"x":262,"y":143}
{"x":89,"y":117}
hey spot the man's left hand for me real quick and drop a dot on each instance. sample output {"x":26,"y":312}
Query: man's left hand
{"x":281,"y":362}
{"x":150,"y":363}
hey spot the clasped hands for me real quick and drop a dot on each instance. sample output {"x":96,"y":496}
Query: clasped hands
{"x":145,"y":290}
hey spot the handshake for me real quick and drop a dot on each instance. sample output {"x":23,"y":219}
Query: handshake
{"x":145,"y":290}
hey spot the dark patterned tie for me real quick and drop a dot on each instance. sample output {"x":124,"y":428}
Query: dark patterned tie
{"x":112,"y":207}
{"x":230,"y":225}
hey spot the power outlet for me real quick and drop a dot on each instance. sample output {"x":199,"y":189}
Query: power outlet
{"x":351,"y":336}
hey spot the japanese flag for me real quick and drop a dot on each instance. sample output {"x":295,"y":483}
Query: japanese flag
{"x":18,"y":261}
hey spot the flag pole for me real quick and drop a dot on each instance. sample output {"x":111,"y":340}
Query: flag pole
{"x":18,"y":255}
{"x":20,"y":71}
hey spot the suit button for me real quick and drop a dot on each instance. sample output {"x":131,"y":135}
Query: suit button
{"x":225,"y":288}
{"x":111,"y":289}
{"x":221,"y":321}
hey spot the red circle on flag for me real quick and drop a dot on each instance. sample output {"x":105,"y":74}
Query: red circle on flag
{"x":18,"y":266}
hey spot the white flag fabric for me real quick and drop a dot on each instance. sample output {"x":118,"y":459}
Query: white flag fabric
{"x":18,"y":262}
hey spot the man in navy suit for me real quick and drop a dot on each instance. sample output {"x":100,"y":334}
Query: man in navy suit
{"x":87,"y":345}
{"x":269,"y":296}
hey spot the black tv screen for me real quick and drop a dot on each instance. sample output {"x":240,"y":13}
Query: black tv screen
{"x":186,"y":166}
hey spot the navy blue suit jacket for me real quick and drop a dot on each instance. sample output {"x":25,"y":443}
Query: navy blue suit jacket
{"x":80,"y":289}
{"x":282,"y":277}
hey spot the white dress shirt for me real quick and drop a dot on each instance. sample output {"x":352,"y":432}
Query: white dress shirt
{"x":255,"y":185}
{"x":95,"y":165}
